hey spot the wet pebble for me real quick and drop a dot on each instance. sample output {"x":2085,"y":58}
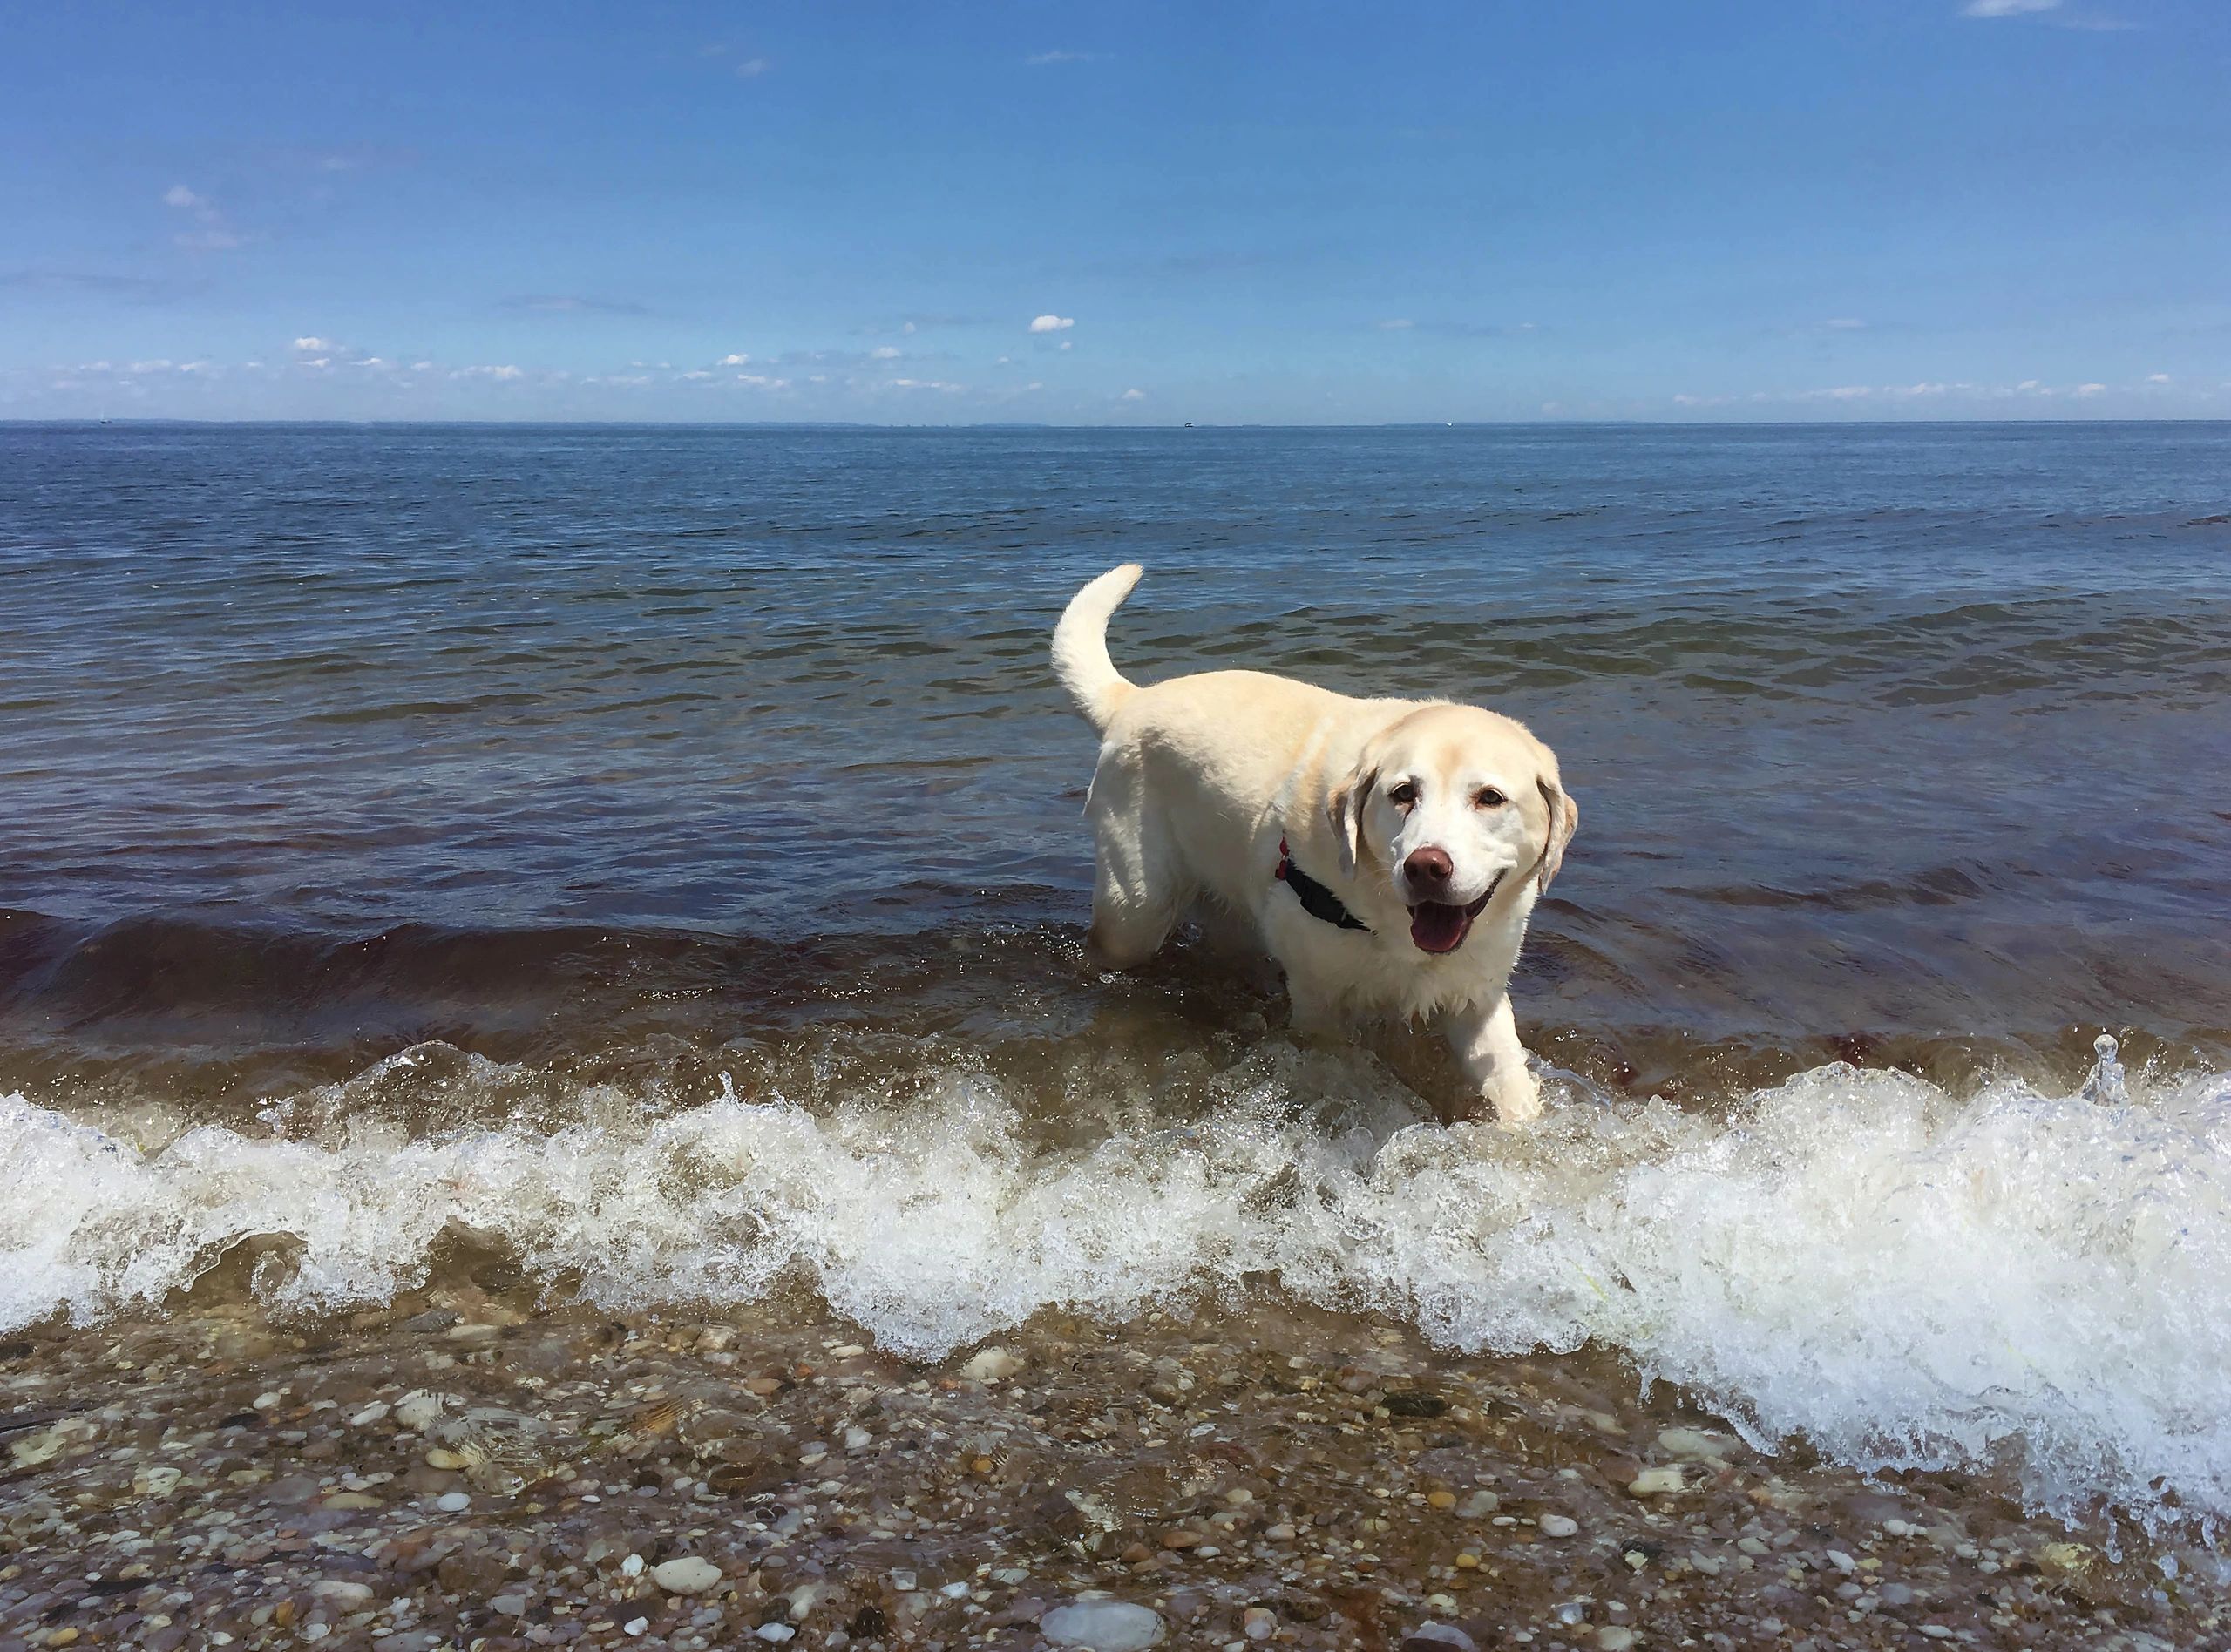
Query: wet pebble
{"x":992,"y":1364}
{"x":686,"y":1575}
{"x":1557,"y":1525}
{"x":1434,"y":1637}
{"x":1102,"y":1625}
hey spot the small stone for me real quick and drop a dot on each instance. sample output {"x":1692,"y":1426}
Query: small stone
{"x":847,"y":1351}
{"x":857,"y":1439}
{"x":1657,"y":1482}
{"x":1282,"y":1532}
{"x":372,"y":1413}
{"x":991,"y":1365}
{"x":452,"y":1502}
{"x":1259,"y":1623}
{"x":1431,"y":1637}
{"x":509,"y":1605}
{"x":1842,"y":1562}
{"x":1937,"y":1631}
{"x":416,"y":1410}
{"x":351,"y":1499}
{"x":687,"y":1574}
{"x":637,"y":1626}
{"x":1478,"y":1506}
{"x":470,"y":1333}
{"x":905,"y":1580}
{"x":1468,"y":1562}
{"x":631,"y":1566}
{"x":1440,"y":1500}
{"x":1557,"y":1525}
{"x":438,"y":1458}
{"x":1695,"y":1445}
{"x":1180,"y":1540}
{"x":1615,"y":1637}
{"x":343,"y":1591}
{"x":1102,"y":1625}
{"x":955,"y":1591}
{"x":1895,"y":1594}
{"x":775,"y":1633}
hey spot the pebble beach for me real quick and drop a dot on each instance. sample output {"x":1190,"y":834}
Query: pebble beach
{"x":473,"y":1474}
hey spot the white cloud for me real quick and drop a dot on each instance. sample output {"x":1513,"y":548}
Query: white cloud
{"x":503,"y":375}
{"x":1397,"y":324}
{"x":699,"y":374}
{"x":2157,"y":378}
{"x":734,"y":361}
{"x":1132,"y":396}
{"x":1067,"y":345}
{"x":214,"y":235}
{"x":883,"y":353}
{"x":752,"y":69}
{"x":315,"y":346}
{"x":2089,"y":389}
{"x":1052,"y":323}
{"x":926,"y":385}
{"x":1038,"y":60}
{"x":907,"y":327}
{"x":2005,"y":8}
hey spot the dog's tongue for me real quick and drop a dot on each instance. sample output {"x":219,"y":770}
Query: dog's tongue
{"x":1437,"y":928}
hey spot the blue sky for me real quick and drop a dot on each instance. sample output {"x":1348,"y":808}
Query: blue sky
{"x":1120,"y":213}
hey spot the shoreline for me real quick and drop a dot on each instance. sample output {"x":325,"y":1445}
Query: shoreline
{"x":463,"y":1471}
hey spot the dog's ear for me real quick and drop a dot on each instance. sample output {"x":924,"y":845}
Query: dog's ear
{"x":1344,"y":809}
{"x":1564,"y":817}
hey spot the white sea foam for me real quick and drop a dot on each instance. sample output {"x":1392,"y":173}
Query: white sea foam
{"x":1905,"y":1278}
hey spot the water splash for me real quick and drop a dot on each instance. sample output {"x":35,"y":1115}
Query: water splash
{"x":2106,"y":1085}
{"x":1905,"y":1278}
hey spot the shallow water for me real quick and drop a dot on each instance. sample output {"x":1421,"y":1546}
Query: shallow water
{"x":653,"y":855}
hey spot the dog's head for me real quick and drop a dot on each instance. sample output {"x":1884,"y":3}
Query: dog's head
{"x":1454,"y":808}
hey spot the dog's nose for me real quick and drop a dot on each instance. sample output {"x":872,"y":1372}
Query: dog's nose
{"x":1429,"y":866}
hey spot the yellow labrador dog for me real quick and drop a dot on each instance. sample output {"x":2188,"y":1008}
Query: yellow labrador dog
{"x":1388,"y":851}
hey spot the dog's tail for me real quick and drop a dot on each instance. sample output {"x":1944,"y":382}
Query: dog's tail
{"x":1080,"y":647}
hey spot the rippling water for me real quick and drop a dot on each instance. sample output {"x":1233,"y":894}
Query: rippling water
{"x":657,"y":852}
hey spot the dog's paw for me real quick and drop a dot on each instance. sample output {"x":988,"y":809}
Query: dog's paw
{"x":1517,"y":1100}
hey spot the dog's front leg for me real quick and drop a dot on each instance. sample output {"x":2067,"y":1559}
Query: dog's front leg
{"x":1315,"y":1009}
{"x":1486,"y":1041}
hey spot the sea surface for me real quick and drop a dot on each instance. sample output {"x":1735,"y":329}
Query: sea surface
{"x":652,"y":856}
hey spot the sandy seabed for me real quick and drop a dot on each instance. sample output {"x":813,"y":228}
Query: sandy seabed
{"x":465,"y":1470}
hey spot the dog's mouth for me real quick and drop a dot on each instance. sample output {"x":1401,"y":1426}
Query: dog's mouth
{"x":1436,"y":926}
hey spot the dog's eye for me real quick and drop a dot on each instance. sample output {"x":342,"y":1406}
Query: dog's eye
{"x":1488,"y":797}
{"x":1404,"y":796}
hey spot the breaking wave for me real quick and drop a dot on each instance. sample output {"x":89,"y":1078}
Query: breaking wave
{"x":1901,"y":1277}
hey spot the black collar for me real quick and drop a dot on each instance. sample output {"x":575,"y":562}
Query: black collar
{"x":1316,"y":900}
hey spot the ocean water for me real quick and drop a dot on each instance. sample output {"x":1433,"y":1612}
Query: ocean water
{"x":654,"y":855}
